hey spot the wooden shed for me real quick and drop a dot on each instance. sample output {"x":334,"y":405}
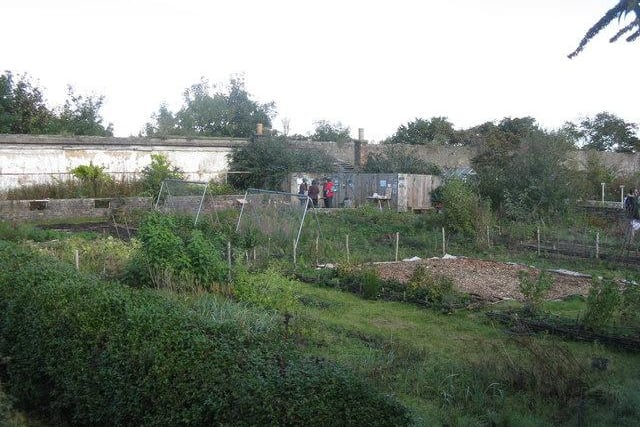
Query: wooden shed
{"x":398,"y":191}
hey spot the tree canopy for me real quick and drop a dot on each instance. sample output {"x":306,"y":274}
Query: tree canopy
{"x":618,"y":12}
{"x":225,"y":112}
{"x":266,"y":162}
{"x":328,"y":131}
{"x":23,"y":110}
{"x":436,"y":130}
{"x":603,"y":132}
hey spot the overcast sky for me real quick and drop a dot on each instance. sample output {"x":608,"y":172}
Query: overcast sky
{"x":368,"y":64}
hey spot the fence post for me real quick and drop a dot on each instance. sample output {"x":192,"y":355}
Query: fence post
{"x":317,"y":249}
{"x":488,"y":238}
{"x":229,"y":257}
{"x":397,"y":244}
{"x":444,"y":244}
{"x":77,"y":259}
{"x":538,"y":240}
{"x":347,"y":248}
{"x":598,"y":245}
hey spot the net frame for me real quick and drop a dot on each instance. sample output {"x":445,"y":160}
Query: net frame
{"x":165,"y":188}
{"x":297,"y":197}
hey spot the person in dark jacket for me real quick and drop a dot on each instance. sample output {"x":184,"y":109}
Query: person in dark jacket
{"x":631,"y":208}
{"x":314,"y":192}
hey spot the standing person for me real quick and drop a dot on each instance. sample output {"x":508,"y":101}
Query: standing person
{"x":303,"y":190}
{"x":327,"y":192}
{"x":314,"y":192}
{"x":631,"y":208}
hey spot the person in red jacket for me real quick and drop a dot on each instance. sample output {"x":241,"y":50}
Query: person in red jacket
{"x":327,"y":193}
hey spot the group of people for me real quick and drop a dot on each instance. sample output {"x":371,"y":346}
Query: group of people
{"x":631,"y":206}
{"x":313,"y":193}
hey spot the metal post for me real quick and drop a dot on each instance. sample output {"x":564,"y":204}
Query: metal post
{"x":538,"y":241}
{"x":598,"y":245}
{"x":444,"y":245}
{"x":622,"y":196}
{"x":602,"y":184}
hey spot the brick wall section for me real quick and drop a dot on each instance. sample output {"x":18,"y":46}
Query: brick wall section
{"x":59,"y":209}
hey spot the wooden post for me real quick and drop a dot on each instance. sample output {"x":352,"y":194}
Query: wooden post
{"x":488,"y":239}
{"x":538,"y":241}
{"x":397,"y":244}
{"x":229,"y":258}
{"x":444,"y":243}
{"x":77,"y":259}
{"x":348,"y":248}
{"x":598,"y":245}
{"x":317,"y":249}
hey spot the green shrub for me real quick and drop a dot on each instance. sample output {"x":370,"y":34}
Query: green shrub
{"x":427,"y":289}
{"x":630,"y":306}
{"x":534,"y":289}
{"x":268,"y":290}
{"x":85,"y":352}
{"x":176,"y":256}
{"x":602,"y":303}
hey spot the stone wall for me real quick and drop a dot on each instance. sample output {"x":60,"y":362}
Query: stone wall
{"x":32,"y":159}
{"x":58,"y":209}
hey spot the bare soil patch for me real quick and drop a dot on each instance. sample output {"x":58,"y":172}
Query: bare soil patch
{"x":488,"y":280}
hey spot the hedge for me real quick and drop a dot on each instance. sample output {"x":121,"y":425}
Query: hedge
{"x":85,"y":352}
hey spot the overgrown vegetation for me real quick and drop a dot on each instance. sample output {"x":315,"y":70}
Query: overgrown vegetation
{"x":154,"y":359}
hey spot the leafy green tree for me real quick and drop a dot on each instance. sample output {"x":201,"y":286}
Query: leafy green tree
{"x":327,"y":131}
{"x":22,"y":106}
{"x":23,"y":110}
{"x":618,"y":12}
{"x":527,"y":177}
{"x":437,"y":130}
{"x":157,"y":171}
{"x":165,"y":123}
{"x":396,"y":159}
{"x":80,"y":115}
{"x":92,"y":176}
{"x":266,"y":162}
{"x":225,"y":113}
{"x":604,"y":132}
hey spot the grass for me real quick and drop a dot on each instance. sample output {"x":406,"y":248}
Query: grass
{"x":460,"y":369}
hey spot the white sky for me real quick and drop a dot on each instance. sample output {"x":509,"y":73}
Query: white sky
{"x":370,"y":64}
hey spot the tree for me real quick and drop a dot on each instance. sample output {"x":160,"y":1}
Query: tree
{"x":327,"y":131}
{"x":23,"y":110}
{"x":604,"y":132}
{"x":437,"y":130}
{"x":395,"y":159}
{"x":227,"y":113}
{"x":80,"y":115}
{"x":265,"y":163}
{"x":22,"y":106}
{"x":619,"y":11}
{"x":528,"y":178}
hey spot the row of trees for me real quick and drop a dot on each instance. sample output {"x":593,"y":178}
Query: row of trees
{"x":23,"y":110}
{"x":603,"y":132}
{"x":229,"y":111}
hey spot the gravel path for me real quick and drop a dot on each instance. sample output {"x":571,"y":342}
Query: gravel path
{"x":489,"y":280}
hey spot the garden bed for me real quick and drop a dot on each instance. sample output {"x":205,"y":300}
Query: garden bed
{"x":488,"y":280}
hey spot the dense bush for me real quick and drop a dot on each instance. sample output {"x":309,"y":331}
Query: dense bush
{"x":176,"y":256}
{"x":90,"y":353}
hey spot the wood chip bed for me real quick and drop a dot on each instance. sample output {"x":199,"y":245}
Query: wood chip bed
{"x":488,"y":280}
